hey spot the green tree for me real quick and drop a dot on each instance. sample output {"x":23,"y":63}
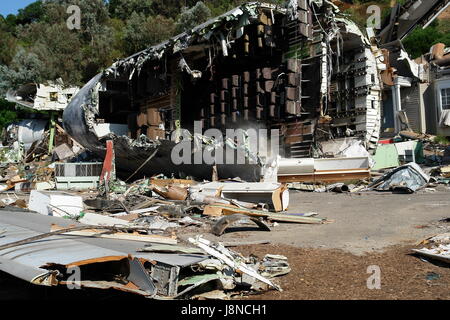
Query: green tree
{"x":141,"y":32}
{"x":171,"y":8}
{"x":420,"y":40}
{"x":31,"y":13}
{"x":25,"y":67}
{"x":8,"y":45}
{"x":189,"y":18}
{"x":122,"y":9}
{"x":8,"y":113}
{"x":9,"y":23}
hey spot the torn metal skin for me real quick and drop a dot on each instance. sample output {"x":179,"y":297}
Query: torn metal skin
{"x":253,"y":67}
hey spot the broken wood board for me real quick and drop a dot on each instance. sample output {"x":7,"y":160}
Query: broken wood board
{"x":219,"y":210}
{"x":323,"y":170}
{"x":275,"y":195}
{"x":139,"y":211}
{"x":118,"y":235}
{"x":245,"y":243}
{"x":326,"y":177}
{"x":171,"y":192}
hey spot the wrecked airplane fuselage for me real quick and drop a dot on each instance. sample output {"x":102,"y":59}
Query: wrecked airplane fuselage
{"x":303,"y":70}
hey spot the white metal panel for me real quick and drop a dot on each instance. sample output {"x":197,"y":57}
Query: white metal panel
{"x":295,"y":166}
{"x":341,"y":164}
{"x":44,"y":201}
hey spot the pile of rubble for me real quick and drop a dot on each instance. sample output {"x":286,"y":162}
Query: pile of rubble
{"x":163,"y":219}
{"x":436,"y":248}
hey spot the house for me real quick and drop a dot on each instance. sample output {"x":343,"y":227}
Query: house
{"x":420,"y":94}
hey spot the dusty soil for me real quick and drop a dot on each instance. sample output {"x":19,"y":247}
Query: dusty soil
{"x":319,"y":274}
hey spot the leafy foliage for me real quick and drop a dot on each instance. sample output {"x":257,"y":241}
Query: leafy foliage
{"x":141,"y":31}
{"x":36,"y":44}
{"x":189,"y":18}
{"x":420,"y":40}
{"x":7,"y":113}
{"x":25,"y":67}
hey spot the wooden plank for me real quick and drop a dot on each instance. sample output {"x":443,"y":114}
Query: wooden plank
{"x":229,"y":210}
{"x":325,"y":178}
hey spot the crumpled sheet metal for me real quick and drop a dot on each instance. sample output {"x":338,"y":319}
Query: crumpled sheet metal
{"x":39,"y":262}
{"x":79,"y":116}
{"x":409,"y":177}
{"x":44,"y":262}
{"x":205,"y":31}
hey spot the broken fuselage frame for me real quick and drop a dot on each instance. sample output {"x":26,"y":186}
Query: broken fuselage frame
{"x":302,"y":69}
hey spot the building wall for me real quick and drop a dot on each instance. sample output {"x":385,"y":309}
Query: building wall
{"x":413,"y":104}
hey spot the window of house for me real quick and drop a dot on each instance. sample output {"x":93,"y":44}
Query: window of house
{"x":445,"y":96}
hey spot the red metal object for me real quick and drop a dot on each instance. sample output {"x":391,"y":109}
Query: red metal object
{"x":387,"y":141}
{"x":109,"y":169}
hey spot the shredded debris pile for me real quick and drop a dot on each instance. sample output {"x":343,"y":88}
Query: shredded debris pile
{"x":438,"y":248}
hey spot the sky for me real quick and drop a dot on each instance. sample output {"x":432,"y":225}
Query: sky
{"x":12,"y":6}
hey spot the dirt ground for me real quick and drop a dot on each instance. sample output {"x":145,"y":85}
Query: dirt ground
{"x":319,"y":274}
{"x":330,"y":261}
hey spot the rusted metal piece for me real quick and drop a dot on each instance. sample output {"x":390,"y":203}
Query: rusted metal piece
{"x":172,"y":192}
{"x":108,"y":171}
